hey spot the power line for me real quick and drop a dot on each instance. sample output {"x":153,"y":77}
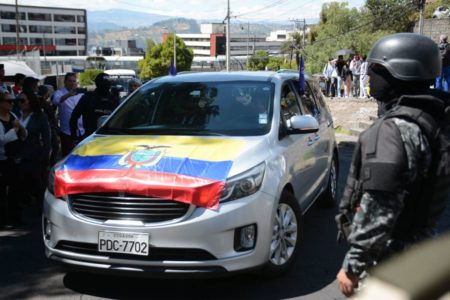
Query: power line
{"x":271,"y":5}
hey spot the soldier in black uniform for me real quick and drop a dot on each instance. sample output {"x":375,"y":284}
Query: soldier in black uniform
{"x":93,"y":105}
{"x":400,"y":173}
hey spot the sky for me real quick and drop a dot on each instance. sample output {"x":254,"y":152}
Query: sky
{"x":203,"y":9}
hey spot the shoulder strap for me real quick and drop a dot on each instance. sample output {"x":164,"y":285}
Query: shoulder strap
{"x":415,"y":114}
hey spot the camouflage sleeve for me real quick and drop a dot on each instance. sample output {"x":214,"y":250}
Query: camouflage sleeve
{"x":371,"y":229}
{"x":378,"y":212}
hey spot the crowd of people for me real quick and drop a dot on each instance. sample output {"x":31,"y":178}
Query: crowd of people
{"x":349,"y":78}
{"x":39,"y":125}
{"x":346,"y":78}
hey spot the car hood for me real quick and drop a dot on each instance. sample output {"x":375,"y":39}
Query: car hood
{"x":176,"y":167}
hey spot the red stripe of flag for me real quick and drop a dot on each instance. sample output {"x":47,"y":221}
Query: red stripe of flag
{"x":192,"y":190}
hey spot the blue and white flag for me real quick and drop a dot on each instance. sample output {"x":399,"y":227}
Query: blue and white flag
{"x":301,"y":77}
{"x":172,"y":69}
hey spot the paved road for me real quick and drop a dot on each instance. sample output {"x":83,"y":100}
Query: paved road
{"x":26,"y":274}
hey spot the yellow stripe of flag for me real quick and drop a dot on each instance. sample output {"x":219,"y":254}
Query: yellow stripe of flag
{"x":211,"y":149}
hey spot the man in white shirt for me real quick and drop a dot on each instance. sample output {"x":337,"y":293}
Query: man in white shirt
{"x":66,"y":99}
{"x":355,"y":67}
{"x":327,"y":73}
{"x":364,"y":78}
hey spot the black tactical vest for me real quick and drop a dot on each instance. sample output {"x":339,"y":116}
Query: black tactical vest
{"x":425,"y":199}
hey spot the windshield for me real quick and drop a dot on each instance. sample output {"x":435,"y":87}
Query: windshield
{"x":238,"y":108}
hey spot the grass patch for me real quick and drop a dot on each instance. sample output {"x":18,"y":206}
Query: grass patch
{"x":342,"y":130}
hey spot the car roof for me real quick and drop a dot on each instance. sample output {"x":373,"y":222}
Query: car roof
{"x":231,"y":76}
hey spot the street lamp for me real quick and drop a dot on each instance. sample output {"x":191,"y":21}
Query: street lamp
{"x":175,"y":50}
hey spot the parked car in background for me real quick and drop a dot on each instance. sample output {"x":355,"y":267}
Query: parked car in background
{"x":441,"y":12}
{"x":196,"y":173}
{"x":119,"y":79}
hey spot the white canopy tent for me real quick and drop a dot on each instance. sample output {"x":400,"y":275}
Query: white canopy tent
{"x":12,"y":67}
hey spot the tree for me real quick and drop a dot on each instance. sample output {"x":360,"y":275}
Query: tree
{"x":277,"y":63}
{"x":343,"y":28}
{"x":144,"y":64}
{"x":158,"y":59}
{"x":88,"y":76}
{"x":401,"y":14}
{"x":293,"y":47}
{"x":259,"y":61}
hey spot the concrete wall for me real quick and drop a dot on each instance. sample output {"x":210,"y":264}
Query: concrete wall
{"x":434,"y":28}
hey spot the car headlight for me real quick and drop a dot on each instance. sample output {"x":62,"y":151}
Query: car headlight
{"x":51,"y":176}
{"x":244,"y":184}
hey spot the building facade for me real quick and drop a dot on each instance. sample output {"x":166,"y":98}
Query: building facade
{"x":51,"y":30}
{"x":211,"y":42}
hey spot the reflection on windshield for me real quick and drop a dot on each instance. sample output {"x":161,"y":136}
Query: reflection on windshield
{"x":212,"y":108}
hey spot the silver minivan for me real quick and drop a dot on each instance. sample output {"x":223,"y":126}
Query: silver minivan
{"x":195,"y":173}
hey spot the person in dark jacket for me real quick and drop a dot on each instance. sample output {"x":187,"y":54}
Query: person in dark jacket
{"x":44,"y":94}
{"x":11,"y":132}
{"x":93,"y":105}
{"x":443,"y":80}
{"x":399,"y":178}
{"x":35,"y":149}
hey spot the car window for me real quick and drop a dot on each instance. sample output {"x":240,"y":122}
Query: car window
{"x":318,"y":95}
{"x":196,"y":108}
{"x":308,"y":102}
{"x":289,"y":103}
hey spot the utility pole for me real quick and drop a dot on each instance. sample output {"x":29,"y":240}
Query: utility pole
{"x":228,"y":37}
{"x":248,"y":41}
{"x":421,"y":5}
{"x":17,"y":31}
{"x":304,"y":33}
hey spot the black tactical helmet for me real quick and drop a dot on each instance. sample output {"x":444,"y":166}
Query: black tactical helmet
{"x":407,"y":56}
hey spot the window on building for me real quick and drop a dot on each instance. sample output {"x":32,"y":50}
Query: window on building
{"x":64,"y":18}
{"x":40,"y":29}
{"x":39,"y":17}
{"x":12,"y":28}
{"x":65,"y":29}
{"x":81,"y":19}
{"x":9,"y":15}
{"x":66,"y":42}
{"x":36,"y":41}
{"x":81,"y":30}
{"x":66,"y":53}
{"x":81,"y":42}
{"x":41,"y":41}
{"x":12,"y":41}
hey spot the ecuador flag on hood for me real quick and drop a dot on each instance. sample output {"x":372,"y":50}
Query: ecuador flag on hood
{"x":186,"y":169}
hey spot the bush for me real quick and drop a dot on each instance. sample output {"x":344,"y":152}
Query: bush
{"x":87,"y":78}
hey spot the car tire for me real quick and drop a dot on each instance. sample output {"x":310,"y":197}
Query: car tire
{"x":329,"y":196}
{"x":286,"y":236}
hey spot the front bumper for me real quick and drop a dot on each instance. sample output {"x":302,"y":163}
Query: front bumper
{"x":201,"y":243}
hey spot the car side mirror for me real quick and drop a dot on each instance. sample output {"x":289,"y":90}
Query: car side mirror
{"x":303,"y":124}
{"x":102,"y":120}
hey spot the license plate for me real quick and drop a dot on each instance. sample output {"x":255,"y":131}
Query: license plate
{"x":123,"y":242}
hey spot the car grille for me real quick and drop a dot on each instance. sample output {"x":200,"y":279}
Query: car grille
{"x":155,"y":254}
{"x":109,"y":206}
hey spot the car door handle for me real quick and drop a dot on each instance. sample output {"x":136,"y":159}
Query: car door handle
{"x":313,"y":138}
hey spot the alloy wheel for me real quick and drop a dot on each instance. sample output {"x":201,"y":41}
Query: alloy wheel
{"x":284,"y":235}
